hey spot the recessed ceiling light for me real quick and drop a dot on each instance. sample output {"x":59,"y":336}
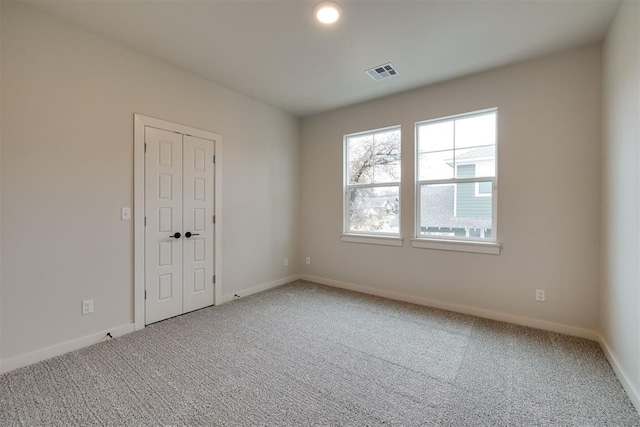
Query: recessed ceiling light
{"x":327,"y":12}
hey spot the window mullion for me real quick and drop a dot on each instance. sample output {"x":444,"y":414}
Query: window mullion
{"x":457,"y":180}
{"x":376,"y":184}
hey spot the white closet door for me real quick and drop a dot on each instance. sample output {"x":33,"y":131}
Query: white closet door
{"x":198,"y":226}
{"x":163,"y":211}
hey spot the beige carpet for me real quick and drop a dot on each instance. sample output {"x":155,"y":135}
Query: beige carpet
{"x":306,"y":354}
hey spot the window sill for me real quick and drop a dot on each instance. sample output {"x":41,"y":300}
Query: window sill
{"x":490,"y":248}
{"x":372,"y":240}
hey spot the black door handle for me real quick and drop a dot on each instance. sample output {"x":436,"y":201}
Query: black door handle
{"x":176,"y":236}
{"x":189,"y":234}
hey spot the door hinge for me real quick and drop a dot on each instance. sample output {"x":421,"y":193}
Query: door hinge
{"x":214,"y":158}
{"x":214,"y":219}
{"x":145,"y":294}
{"x":145,"y":147}
{"x":214,"y":278}
{"x":145,"y":221}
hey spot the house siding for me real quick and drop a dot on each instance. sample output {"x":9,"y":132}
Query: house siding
{"x":467,"y":204}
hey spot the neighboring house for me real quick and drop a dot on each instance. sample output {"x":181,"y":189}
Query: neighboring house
{"x":464,"y":211}
{"x":382,"y":210}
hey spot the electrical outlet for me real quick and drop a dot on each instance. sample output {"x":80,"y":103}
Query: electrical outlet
{"x":286,"y":262}
{"x":307,"y":260}
{"x":87,"y":306}
{"x":540,"y":295}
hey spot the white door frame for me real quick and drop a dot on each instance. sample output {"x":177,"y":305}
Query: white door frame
{"x":140,"y":122}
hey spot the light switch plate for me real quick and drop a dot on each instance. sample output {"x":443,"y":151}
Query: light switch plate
{"x":126,"y":213}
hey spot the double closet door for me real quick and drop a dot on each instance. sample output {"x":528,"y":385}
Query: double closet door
{"x":179,"y":218}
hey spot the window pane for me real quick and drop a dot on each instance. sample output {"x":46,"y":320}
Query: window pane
{"x":455,"y":210}
{"x":360,"y":153}
{"x":437,"y":165}
{"x":466,"y":171}
{"x":374,"y":158}
{"x":374,"y":209}
{"x":475,"y":131}
{"x":386,"y":157}
{"x":482,"y":158}
{"x":435,"y":137}
{"x":485,"y":187}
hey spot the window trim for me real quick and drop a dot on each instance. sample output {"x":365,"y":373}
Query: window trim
{"x":457,"y":243}
{"x":372,"y":240}
{"x":475,"y":246}
{"x":369,"y":236}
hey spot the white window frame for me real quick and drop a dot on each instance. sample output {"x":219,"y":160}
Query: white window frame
{"x":456,"y":243}
{"x":371,"y":237}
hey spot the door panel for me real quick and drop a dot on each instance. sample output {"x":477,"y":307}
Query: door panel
{"x":198,"y":209}
{"x":163,"y":210}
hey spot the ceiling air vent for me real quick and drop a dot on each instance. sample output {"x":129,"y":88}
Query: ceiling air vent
{"x":382,"y":71}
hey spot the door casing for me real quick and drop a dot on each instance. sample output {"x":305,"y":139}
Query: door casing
{"x":140,"y":122}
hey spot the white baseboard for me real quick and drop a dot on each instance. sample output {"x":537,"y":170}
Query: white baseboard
{"x":474,"y":311}
{"x":262,"y":287}
{"x":632,"y":391}
{"x":65,"y":347}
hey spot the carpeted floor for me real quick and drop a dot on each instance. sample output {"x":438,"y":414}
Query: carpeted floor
{"x":306,"y":354}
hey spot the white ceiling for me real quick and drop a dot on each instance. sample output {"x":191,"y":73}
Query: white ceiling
{"x":273,"y":51}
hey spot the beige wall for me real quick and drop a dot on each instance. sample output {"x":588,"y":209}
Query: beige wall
{"x":67,"y":169}
{"x":620,"y":296}
{"x":548,"y":202}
